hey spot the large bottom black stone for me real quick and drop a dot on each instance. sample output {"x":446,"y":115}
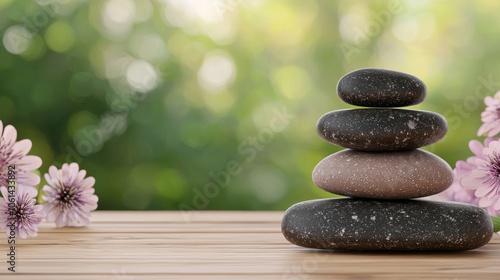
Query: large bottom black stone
{"x":401,"y":225}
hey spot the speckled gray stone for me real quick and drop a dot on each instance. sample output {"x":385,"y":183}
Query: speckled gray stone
{"x":373,"y":87}
{"x":390,"y":175}
{"x":381,"y":129}
{"x":402,"y":225}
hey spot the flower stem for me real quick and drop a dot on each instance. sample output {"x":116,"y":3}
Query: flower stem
{"x":496,"y":224}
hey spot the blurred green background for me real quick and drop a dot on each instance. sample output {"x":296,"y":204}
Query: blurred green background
{"x":212,"y":104}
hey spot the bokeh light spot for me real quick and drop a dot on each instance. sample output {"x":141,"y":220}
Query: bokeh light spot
{"x":148,"y":46}
{"x":17,"y":39}
{"x":216,"y":72}
{"x":36,"y":49}
{"x":141,"y":76}
{"x":118,"y":16}
{"x":4,"y":3}
{"x":60,"y":36}
{"x":170,"y":184}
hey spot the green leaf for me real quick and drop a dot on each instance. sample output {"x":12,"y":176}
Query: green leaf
{"x":496,"y":224}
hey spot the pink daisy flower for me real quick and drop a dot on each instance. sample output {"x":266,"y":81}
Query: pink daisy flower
{"x":485,"y":178}
{"x":69,"y":196}
{"x":14,"y":153}
{"x":457,"y":192}
{"x":22,"y":215}
{"x":491,"y":116}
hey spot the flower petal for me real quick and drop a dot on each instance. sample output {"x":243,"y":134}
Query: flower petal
{"x":485,"y":202}
{"x":9,"y":135}
{"x":484,"y":190}
{"x":30,"y":163}
{"x":470,"y":183}
{"x":476,"y":147}
{"x":495,"y":129}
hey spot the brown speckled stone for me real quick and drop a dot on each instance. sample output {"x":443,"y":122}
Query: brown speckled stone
{"x":403,"y":225}
{"x":381,"y":129}
{"x":390,"y":175}
{"x":372,"y":87}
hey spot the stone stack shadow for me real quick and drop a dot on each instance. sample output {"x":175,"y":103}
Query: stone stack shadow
{"x":382,"y":172}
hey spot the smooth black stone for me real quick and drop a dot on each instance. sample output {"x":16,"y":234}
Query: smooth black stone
{"x":399,"y":225}
{"x":381,"y":129}
{"x":372,"y":87}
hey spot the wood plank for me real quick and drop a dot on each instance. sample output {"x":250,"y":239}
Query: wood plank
{"x":218,"y":245}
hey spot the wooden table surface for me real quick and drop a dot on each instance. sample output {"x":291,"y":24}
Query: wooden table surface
{"x":218,"y":245}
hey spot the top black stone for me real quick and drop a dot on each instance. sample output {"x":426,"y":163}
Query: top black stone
{"x":372,"y":87}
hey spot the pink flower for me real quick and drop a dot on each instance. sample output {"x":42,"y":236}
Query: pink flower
{"x":14,"y":154}
{"x":464,"y":168}
{"x":491,"y":116}
{"x":18,"y":211}
{"x":457,"y":192}
{"x":69,"y":196}
{"x":485,"y":178}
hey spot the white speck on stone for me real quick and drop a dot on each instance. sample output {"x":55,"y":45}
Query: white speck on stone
{"x":449,"y":217}
{"x":390,"y":218}
{"x":355,"y":217}
{"x":412,"y":124}
{"x":373,"y":218}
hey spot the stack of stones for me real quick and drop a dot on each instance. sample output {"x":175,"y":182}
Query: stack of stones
{"x":382,"y":172}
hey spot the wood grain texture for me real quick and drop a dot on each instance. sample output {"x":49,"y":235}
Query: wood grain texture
{"x":218,"y":245}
